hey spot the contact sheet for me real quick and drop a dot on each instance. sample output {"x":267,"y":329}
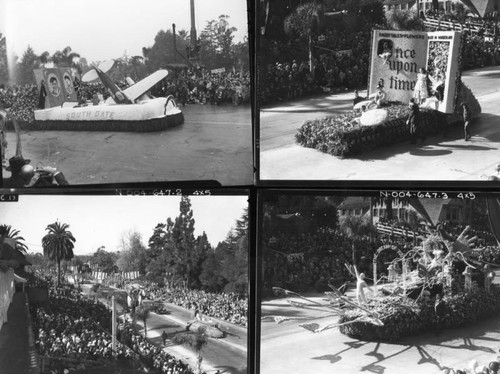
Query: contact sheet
{"x":268,"y":186}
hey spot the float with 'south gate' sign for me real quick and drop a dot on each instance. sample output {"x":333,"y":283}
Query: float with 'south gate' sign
{"x":131,"y":109}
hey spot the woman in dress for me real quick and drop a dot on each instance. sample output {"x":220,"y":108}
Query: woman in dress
{"x":420,"y":93}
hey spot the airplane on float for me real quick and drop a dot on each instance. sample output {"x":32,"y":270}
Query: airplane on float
{"x":130,"y":109}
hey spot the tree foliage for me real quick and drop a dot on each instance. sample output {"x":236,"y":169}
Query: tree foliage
{"x":104,"y":261}
{"x":8,"y":231}
{"x":227,"y":267}
{"x":132,"y":257}
{"x":176,"y":256}
{"x":404,"y":20}
{"x":4,"y":65}
{"x":24,"y":68}
{"x":216,"y":44}
{"x":162,"y":52}
{"x":305,"y":21}
{"x":58,"y":244}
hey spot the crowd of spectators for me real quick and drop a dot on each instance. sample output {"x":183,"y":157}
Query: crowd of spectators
{"x":342,"y":63}
{"x":73,"y":330}
{"x":479,"y":52}
{"x":311,"y":261}
{"x":314,"y":260}
{"x":226,"y":306}
{"x":203,"y":86}
{"x":187,"y":87}
{"x":151,"y":355}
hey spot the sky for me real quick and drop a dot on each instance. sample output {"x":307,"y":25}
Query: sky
{"x":105,"y":29}
{"x":104,"y":220}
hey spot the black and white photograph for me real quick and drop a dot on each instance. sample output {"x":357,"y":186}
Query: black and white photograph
{"x":120,"y":91}
{"x":371,"y":90}
{"x":379,"y":282}
{"x":124,"y":284}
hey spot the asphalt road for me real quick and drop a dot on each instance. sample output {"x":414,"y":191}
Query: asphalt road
{"x":229,"y":354}
{"x":286,"y":347}
{"x":438,"y":158}
{"x":214,"y":143}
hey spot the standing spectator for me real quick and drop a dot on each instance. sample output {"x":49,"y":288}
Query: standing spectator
{"x":413,"y":120}
{"x":466,"y":115}
{"x":42,"y":96}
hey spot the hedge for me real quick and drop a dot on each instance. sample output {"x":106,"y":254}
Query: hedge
{"x":400,"y":321}
{"x":336,"y":135}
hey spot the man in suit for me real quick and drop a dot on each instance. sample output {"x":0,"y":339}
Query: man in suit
{"x":24,"y":175}
{"x":413,"y":121}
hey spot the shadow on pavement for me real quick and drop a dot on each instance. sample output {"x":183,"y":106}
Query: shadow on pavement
{"x":429,"y":152}
{"x":285,"y":313}
{"x":491,"y":74}
{"x":312,"y":105}
{"x":468,"y":336}
{"x":469,"y":146}
{"x":164,"y":326}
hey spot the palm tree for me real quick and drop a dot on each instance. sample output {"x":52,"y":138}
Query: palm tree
{"x":356,"y":228}
{"x":142,"y":313}
{"x":66,"y":58}
{"x":194,"y":341}
{"x":404,"y":20}
{"x":6,"y":231}
{"x":58,"y":244}
{"x":305,"y":22}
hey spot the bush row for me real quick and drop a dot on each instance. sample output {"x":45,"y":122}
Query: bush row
{"x":337,"y":136}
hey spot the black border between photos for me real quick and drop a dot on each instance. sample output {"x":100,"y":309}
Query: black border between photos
{"x":265,"y":194}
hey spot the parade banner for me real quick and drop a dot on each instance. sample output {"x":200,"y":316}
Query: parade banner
{"x":292,"y":256}
{"x":397,"y":58}
{"x":218,"y":71}
{"x":345,"y":52}
{"x":57,"y":86}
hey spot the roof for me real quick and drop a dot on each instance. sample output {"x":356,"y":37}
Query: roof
{"x":397,"y":2}
{"x":431,"y":209}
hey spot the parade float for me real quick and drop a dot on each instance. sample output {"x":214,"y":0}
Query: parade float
{"x":442,"y":281}
{"x":130,"y":109}
{"x":396,"y":59}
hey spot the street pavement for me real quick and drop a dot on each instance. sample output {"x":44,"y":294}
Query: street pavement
{"x":288,"y":348}
{"x":229,"y":354}
{"x":214,"y":143}
{"x":441,"y":158}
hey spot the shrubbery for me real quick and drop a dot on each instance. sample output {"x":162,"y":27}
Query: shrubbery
{"x":400,"y":321}
{"x":337,"y":136}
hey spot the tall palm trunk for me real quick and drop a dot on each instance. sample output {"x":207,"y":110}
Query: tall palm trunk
{"x":311,"y":62}
{"x":58,"y":272}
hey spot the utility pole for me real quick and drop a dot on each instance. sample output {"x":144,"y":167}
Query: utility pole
{"x":194,"y":39}
{"x":113,"y":325}
{"x":175,"y":42}
{"x":194,"y":50}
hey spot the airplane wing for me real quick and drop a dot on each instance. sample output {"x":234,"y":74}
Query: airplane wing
{"x":143,"y":86}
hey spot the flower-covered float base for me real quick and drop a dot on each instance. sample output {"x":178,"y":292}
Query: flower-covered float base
{"x":339,"y":136}
{"x":401,"y":319}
